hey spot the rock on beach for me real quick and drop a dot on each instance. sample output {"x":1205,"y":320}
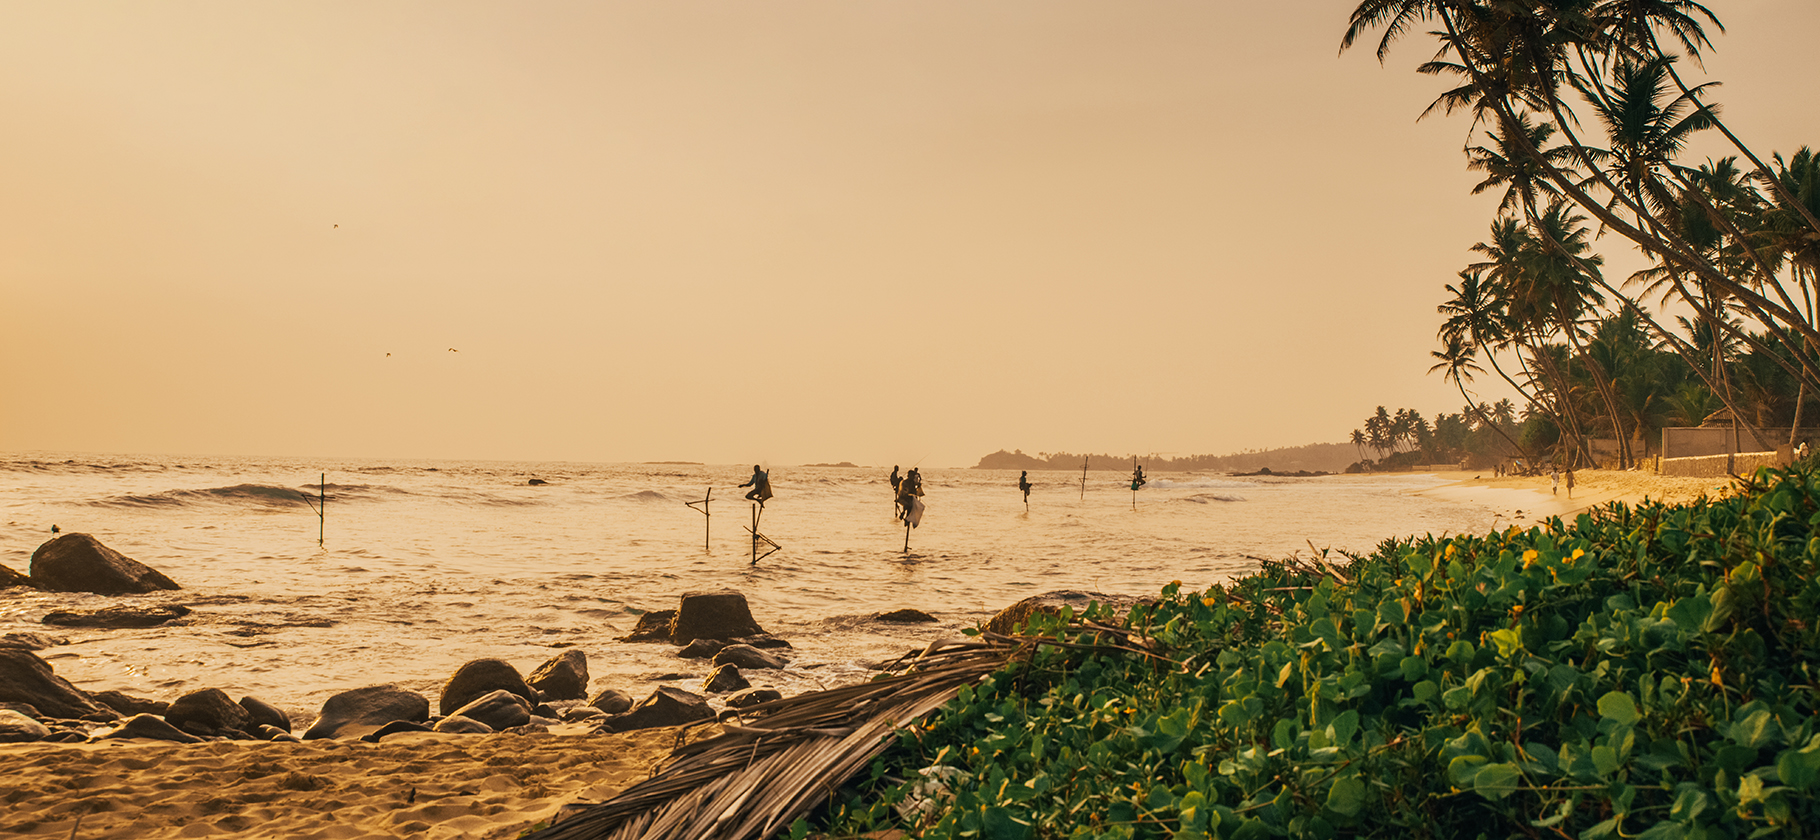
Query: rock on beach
{"x":80,"y":563}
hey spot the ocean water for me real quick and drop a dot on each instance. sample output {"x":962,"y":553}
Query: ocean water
{"x":424,"y":565}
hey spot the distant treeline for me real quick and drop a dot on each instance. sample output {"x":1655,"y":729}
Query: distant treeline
{"x":1314,"y":457}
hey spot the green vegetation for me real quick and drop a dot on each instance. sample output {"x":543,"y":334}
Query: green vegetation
{"x":1477,"y":437}
{"x":1580,"y":117}
{"x":1643,"y":672}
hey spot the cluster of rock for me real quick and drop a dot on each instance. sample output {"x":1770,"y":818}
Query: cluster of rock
{"x":482,"y":696}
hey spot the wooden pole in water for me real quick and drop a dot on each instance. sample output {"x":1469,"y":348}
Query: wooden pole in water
{"x":906,"y":533}
{"x":707,"y":519}
{"x":322,"y":508}
{"x":1084,"y":461}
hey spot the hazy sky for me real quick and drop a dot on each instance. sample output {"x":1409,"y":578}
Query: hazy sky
{"x":866,"y":230}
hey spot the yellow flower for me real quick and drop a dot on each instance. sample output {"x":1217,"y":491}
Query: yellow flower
{"x":1529,"y":557}
{"x":1209,"y":602}
{"x":1175,"y":583}
{"x":1451,"y":548}
{"x":1578,"y":553}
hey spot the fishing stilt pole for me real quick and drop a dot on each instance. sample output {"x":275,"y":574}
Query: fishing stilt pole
{"x":707,"y":518}
{"x":758,"y":508}
{"x":1084,"y":461}
{"x":320,"y":505}
{"x":906,"y":535}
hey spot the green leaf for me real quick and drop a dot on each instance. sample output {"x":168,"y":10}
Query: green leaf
{"x":1757,"y":729}
{"x":1283,"y":734}
{"x":998,"y":824}
{"x":1619,"y":707}
{"x":1605,"y":760}
{"x":1462,"y":770}
{"x":1346,"y":796}
{"x":1798,"y":768}
{"x":1414,"y":668}
{"x":1344,"y":727}
{"x":1496,"y":781}
{"x":1724,"y":604}
{"x":1604,"y":829}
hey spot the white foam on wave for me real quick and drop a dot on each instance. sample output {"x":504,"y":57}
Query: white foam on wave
{"x":1198,"y":483}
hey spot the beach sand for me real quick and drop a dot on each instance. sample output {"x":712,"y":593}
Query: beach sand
{"x":467,"y":786}
{"x":1526,"y":500}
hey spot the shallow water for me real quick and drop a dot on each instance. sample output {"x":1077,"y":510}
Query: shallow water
{"x":426,"y":565}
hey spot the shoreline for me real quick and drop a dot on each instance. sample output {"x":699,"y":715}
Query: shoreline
{"x":1528,"y":500}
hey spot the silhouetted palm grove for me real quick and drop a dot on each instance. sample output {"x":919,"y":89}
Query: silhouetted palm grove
{"x":1579,"y":118}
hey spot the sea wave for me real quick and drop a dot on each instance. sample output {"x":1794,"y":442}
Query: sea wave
{"x":264,"y":495}
{"x":1208,"y":498}
{"x":1198,"y":483}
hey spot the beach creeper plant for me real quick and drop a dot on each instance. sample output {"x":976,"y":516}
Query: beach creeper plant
{"x":1641,"y":671}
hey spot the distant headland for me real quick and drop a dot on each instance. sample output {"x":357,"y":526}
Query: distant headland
{"x":1308,"y":459}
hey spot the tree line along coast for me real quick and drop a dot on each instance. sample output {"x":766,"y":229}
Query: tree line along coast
{"x":1581,"y":118}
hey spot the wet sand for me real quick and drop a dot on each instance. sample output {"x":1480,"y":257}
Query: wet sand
{"x":1526,"y":500}
{"x":408,"y":785}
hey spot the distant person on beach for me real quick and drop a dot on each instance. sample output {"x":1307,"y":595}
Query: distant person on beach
{"x":760,"y":484}
{"x":1554,"y":478}
{"x":1570,"y":484}
{"x":1023,"y":483}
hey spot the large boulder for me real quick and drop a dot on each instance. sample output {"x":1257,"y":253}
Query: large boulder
{"x":702,"y":648}
{"x":146,"y":726}
{"x":665,"y":707}
{"x":116,"y":618}
{"x":29,"y":641}
{"x":724,"y":679}
{"x":80,"y":563}
{"x":479,"y":678}
{"x":722,"y":614}
{"x":1011,"y":619}
{"x":653,"y":626}
{"x":208,"y":712}
{"x":499,"y":709}
{"x":352,"y":714}
{"x":904,"y":616}
{"x":265,"y":714}
{"x":611,"y":701}
{"x":16,"y":728}
{"x":10,"y":578}
{"x":127,"y":704}
{"x":748,"y":657}
{"x":753,"y":697}
{"x":458,"y":725}
{"x":564,"y":677}
{"x":24,"y":678}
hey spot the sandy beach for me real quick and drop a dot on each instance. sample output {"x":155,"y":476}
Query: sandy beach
{"x":1525,"y":500}
{"x":408,"y":785}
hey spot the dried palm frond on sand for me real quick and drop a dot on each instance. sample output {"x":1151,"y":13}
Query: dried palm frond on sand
{"x":753,"y":780}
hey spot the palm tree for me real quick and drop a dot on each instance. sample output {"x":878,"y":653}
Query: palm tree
{"x":1455,"y":361}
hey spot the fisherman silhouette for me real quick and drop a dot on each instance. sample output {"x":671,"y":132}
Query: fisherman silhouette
{"x":760,"y":484}
{"x":1137,"y":478}
{"x":1023,"y":483}
{"x":907,"y":493}
{"x":896,"y":480}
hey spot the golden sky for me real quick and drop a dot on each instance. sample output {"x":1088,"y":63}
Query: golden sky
{"x":733,"y":231}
